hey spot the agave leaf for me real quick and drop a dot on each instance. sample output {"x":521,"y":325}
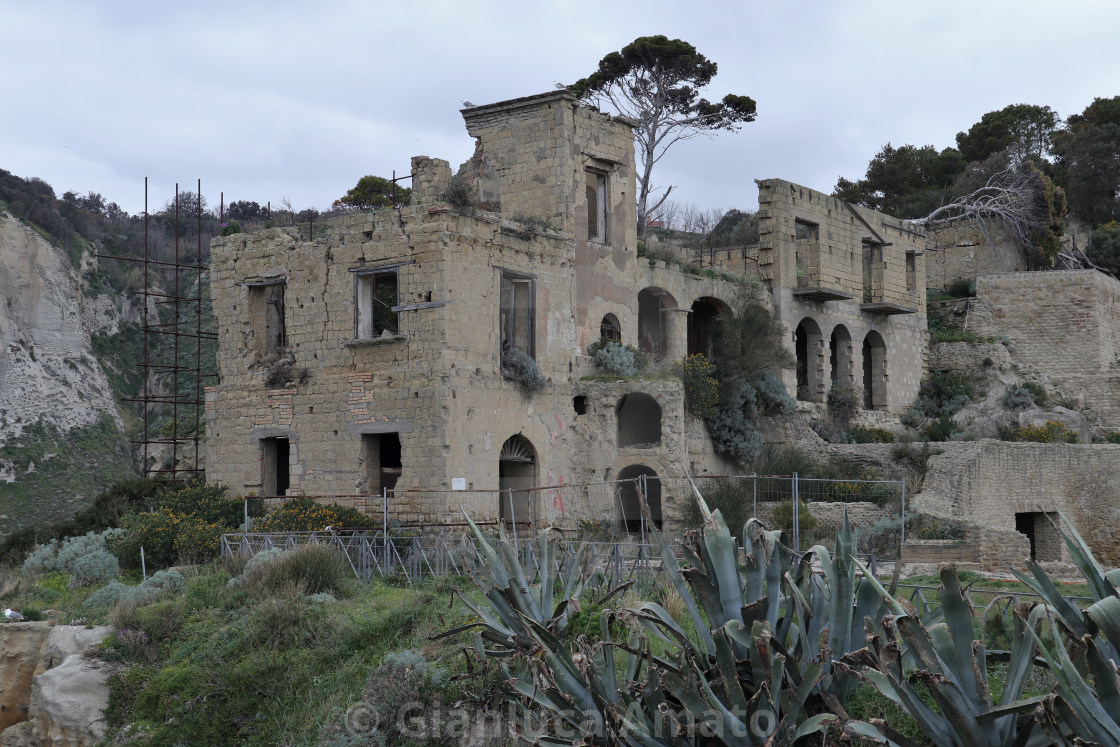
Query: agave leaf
{"x":726,"y":664}
{"x":1105,"y":680}
{"x":657,"y":620}
{"x":520,"y":587}
{"x":886,"y":596}
{"x":496,"y":569}
{"x":902,"y":695}
{"x":1041,"y":584}
{"x":1085,"y":560}
{"x":959,"y":615}
{"x":722,"y":556}
{"x":1022,"y":653}
{"x":574,"y":579}
{"x":1113,"y":576}
{"x":1074,"y":690}
{"x":673,"y":570}
{"x":879,"y":732}
{"x":1105,"y":614}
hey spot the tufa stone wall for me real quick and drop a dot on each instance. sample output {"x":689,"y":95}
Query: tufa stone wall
{"x":962,"y":251}
{"x":1063,"y":325}
{"x":989,"y":482}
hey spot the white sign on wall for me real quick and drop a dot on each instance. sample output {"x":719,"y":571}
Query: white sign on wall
{"x":458,"y":483}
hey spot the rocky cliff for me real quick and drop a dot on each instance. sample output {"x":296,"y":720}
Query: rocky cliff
{"x":61,"y":434}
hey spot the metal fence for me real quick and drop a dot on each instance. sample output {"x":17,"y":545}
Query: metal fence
{"x":612,"y":509}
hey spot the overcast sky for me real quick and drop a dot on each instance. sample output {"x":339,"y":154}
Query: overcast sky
{"x":280,"y":99}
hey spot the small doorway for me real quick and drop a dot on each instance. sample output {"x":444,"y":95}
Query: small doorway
{"x":381,"y":453}
{"x":1039,"y":526}
{"x":275,"y":467}
{"x":639,"y":477}
{"x":517,"y":473}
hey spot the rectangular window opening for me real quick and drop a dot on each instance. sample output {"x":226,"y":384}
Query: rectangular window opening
{"x":266,"y":312}
{"x":803,"y":230}
{"x":597,"y":207}
{"x":911,"y":270}
{"x":517,"y":314}
{"x":275,"y":468}
{"x":381,"y":453}
{"x":376,"y":293}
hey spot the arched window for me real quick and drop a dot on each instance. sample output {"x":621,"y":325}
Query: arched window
{"x":640,"y":480}
{"x":517,"y":473}
{"x":639,"y":420}
{"x":610,"y":329}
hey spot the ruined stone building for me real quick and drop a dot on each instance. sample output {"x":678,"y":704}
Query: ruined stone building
{"x":371,"y":357}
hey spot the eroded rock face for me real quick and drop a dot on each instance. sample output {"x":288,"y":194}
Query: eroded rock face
{"x":22,"y":645}
{"x":67,"y":702}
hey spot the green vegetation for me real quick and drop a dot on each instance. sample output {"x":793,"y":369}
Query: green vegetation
{"x":701,"y":387}
{"x":859,"y":434}
{"x":374,"y":192}
{"x":59,"y":474}
{"x":1053,"y":431}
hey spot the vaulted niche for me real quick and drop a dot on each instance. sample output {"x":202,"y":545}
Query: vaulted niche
{"x":703,"y":325}
{"x":874,"y":372}
{"x":807,"y":344}
{"x":651,"y":322}
{"x":639,"y":420}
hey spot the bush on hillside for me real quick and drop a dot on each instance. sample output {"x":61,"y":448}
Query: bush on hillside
{"x":86,"y":558}
{"x":303,"y":514}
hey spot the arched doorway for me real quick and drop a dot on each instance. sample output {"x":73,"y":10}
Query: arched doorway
{"x":810,"y":364}
{"x":840,"y":356}
{"x":641,"y":478}
{"x":874,"y":372}
{"x":652,"y":336}
{"x":639,"y":420}
{"x":517,"y":473}
{"x":703,"y":324}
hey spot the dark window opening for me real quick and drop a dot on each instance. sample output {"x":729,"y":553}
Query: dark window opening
{"x":639,"y":420}
{"x":703,"y":326}
{"x":381,"y":453}
{"x":275,"y":467}
{"x":652,"y":335}
{"x":579,"y":404}
{"x":808,"y":347}
{"x":597,"y":207}
{"x":641,"y":481}
{"x":1046,"y":543}
{"x":874,"y":372}
{"x":376,"y":293}
{"x":805,"y":231}
{"x":911,"y":270}
{"x":266,"y":312}
{"x":840,"y":356}
{"x":610,"y":329}
{"x":517,"y":314}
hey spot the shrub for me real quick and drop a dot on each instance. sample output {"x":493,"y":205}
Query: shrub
{"x":733,"y":498}
{"x":303,"y":514}
{"x":115,"y":591}
{"x":1017,"y":398}
{"x":614,"y":357}
{"x":231,"y":227}
{"x":518,"y":366}
{"x":154,"y":531}
{"x":843,"y":404}
{"x":207,"y":502}
{"x":1053,"y":431}
{"x":939,"y":530}
{"x":197,"y":540}
{"x":943,"y":394}
{"x":733,"y":429}
{"x":961,"y":288}
{"x":1038,"y":393}
{"x":1111,"y":437}
{"x":86,"y":558}
{"x":783,"y":516}
{"x":308,"y":569}
{"x":461,"y":195}
{"x":940,"y":428}
{"x":858,"y":434}
{"x":880,"y":538}
{"x":771,"y":394}
{"x":701,"y":387}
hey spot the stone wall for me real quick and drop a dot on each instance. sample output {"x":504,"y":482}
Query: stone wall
{"x":1065,"y":326}
{"x":988,"y":482}
{"x":962,"y":251}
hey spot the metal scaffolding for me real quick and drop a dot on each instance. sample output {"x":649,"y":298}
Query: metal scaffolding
{"x":181,"y":329}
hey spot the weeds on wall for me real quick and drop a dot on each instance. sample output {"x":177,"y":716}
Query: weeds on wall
{"x":461,"y":195}
{"x":701,"y":387}
{"x":518,"y":366}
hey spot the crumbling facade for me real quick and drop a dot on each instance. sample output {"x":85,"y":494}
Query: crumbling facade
{"x":850,"y":284}
{"x":372,"y":357}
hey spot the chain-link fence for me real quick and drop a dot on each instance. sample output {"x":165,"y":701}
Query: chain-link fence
{"x":810,"y":511}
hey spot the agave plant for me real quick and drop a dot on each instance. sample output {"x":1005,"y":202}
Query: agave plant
{"x":952,"y":665}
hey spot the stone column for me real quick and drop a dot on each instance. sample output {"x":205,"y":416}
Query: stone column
{"x":676,"y":332}
{"x":430,"y":179}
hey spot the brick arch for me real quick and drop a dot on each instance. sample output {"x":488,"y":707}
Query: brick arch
{"x":841,"y":358}
{"x":628,"y":503}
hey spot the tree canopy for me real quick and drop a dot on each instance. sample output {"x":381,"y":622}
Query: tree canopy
{"x":1025,"y":130}
{"x":372,"y":192}
{"x":906,"y":182}
{"x":656,"y":81}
